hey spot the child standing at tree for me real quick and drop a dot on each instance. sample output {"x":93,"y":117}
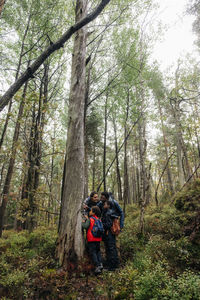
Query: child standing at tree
{"x":94,"y":229}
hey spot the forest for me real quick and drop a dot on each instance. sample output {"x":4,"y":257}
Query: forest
{"x":84,"y":107}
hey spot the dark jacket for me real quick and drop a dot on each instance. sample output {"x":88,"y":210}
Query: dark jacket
{"x":88,"y":201}
{"x":107,"y":219}
{"x":116,"y":210}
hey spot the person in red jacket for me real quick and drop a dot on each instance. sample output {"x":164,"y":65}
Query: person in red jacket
{"x":93,"y":242}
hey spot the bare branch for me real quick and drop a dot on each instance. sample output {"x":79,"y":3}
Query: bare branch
{"x":49,"y":50}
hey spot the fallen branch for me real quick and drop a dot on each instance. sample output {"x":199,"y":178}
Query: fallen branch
{"x":4,"y":100}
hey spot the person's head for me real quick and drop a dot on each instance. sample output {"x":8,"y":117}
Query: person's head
{"x":94,"y":196}
{"x":95,"y":211}
{"x":110,"y":195}
{"x":104,"y":196}
{"x":107,"y":205}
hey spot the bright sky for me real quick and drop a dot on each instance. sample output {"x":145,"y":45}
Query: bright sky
{"x":179,"y":38}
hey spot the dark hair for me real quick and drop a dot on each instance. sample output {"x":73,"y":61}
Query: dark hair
{"x":93,"y":193}
{"x":105,"y":194}
{"x":109,"y":203}
{"x":96,"y":211}
{"x":110,"y":195}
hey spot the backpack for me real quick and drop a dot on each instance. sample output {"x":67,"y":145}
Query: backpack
{"x":115,"y":228}
{"x":97,"y":229}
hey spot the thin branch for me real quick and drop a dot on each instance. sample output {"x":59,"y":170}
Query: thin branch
{"x":49,"y":50}
{"x":163,"y":171}
{"x":119,"y":149}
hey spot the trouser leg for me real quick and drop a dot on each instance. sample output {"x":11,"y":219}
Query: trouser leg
{"x":93,"y":253}
{"x":98,"y":252}
{"x":111,"y":251}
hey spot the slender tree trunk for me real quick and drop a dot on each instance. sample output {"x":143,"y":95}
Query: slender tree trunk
{"x":126,"y":195}
{"x":1,"y":176}
{"x":87,"y":90}
{"x":35,"y":150}
{"x":2,"y":3}
{"x":70,"y":242}
{"x":181,"y":149}
{"x":117,"y":162}
{"x":9,"y":175}
{"x":142,"y":159}
{"x":105,"y":140}
{"x":94,"y":168}
{"x":50,"y":200}
{"x":166,"y":148}
{"x":16,"y":77}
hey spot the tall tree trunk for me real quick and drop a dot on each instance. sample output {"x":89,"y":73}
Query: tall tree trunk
{"x":94,"y":168}
{"x":9,"y":175}
{"x":105,"y":140}
{"x":87,"y":90}
{"x":181,"y":149}
{"x":16,"y":76}
{"x":2,"y":3}
{"x":143,"y":183}
{"x":169,"y":176}
{"x":35,"y":150}
{"x":126,"y":195}
{"x":117,"y":162}
{"x":70,"y":242}
{"x":50,"y":200}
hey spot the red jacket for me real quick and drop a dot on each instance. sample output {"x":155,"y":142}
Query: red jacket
{"x":90,"y":237}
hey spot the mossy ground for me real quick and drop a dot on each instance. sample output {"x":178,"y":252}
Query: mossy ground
{"x":164,"y":263}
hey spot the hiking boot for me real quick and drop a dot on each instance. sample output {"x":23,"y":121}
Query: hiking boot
{"x":101,"y":266}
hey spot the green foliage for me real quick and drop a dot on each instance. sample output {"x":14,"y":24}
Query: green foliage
{"x":23,"y":256}
{"x":159,"y":264}
{"x":152,"y":281}
{"x":189,"y":198}
{"x":43,"y":241}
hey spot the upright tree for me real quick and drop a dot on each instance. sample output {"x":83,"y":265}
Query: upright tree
{"x":70,"y":242}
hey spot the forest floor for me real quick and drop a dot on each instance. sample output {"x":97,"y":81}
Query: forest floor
{"x":163,"y":263}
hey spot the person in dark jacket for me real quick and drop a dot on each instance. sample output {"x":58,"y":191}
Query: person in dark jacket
{"x":115,"y":206}
{"x":91,"y":201}
{"x":112,"y":260}
{"x":93,"y":242}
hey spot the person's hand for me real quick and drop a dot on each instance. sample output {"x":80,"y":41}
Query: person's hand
{"x":86,"y":217}
{"x":85,"y":206}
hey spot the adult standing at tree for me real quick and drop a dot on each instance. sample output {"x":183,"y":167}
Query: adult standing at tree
{"x":116,"y":209}
{"x":91,"y":201}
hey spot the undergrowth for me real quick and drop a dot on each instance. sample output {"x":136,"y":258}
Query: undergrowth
{"x":164,"y":263}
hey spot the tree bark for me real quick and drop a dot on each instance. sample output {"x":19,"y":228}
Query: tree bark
{"x":159,"y":181}
{"x":117,"y":163}
{"x":105,"y":140}
{"x":94,"y":168}
{"x":87,"y":90}
{"x":9,"y":175}
{"x":126,"y":195}
{"x":35,"y":150}
{"x":2,"y":3}
{"x":16,"y":77}
{"x":49,"y":50}
{"x":70,"y":245}
{"x":166,"y":148}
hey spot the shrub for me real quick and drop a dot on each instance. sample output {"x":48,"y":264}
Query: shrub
{"x":44,"y":241}
{"x":185,"y":287}
{"x":13,"y":282}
